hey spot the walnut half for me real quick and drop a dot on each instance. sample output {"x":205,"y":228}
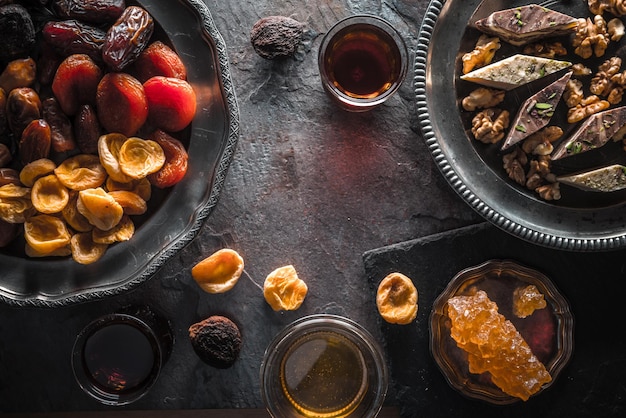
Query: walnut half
{"x":488,"y":125}
{"x":592,"y":37}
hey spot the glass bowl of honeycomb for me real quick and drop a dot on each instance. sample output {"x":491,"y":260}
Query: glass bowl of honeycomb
{"x":501,"y":332}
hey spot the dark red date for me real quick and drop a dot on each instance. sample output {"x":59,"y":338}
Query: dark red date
{"x":73,"y":37}
{"x":35,"y":141}
{"x":91,"y":11}
{"x":87,"y":129}
{"x":127,"y":38}
{"x":62,"y":135}
{"x":23,"y":106}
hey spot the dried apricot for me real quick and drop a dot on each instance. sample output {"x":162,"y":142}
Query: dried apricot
{"x":80,"y":172}
{"x":396,"y":299}
{"x":219,"y":272}
{"x":38,"y":168}
{"x":99,"y":207}
{"x":176,"y":159}
{"x":140,"y":157}
{"x":121,"y":103}
{"x":85,"y":250}
{"x":494,"y":345}
{"x":59,"y":252}
{"x":46,"y":233}
{"x":49,"y":195}
{"x":123,"y":231}
{"x":526,"y":300}
{"x":140,"y":187}
{"x":15,"y":204}
{"x":131,"y":202}
{"x":73,"y":217}
{"x":284,"y":290}
{"x":171,"y":103}
{"x":109,"y":151}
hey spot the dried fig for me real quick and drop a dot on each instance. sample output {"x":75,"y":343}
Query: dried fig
{"x":276,"y":36}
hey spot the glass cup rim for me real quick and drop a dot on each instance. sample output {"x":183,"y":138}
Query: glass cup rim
{"x":78,"y":366}
{"x":363,"y":104}
{"x":323,"y":322}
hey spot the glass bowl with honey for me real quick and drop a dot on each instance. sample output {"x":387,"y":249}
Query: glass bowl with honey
{"x":323,"y":366}
{"x":501,"y":332}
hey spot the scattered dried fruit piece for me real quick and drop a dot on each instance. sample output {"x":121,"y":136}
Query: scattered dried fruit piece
{"x":219,"y":272}
{"x":526,"y":300}
{"x":494,"y":345}
{"x":216,"y":340}
{"x":276,"y":36}
{"x":396,"y":299}
{"x":284,"y":290}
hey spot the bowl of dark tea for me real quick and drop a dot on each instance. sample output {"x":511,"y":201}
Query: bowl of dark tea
{"x":362,"y":61}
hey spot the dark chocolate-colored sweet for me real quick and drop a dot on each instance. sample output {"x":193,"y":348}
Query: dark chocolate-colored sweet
{"x":595,"y":132}
{"x":521,"y":25}
{"x":216,"y":340}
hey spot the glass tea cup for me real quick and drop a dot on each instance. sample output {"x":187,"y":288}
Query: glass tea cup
{"x":362,"y":62}
{"x":117,"y":358}
{"x":323,"y":366}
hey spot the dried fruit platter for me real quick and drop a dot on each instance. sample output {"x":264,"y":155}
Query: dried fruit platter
{"x":577,"y":220}
{"x":174,"y":214}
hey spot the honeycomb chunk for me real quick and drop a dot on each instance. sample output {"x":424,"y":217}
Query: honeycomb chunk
{"x":494,"y":345}
{"x":526,"y":300}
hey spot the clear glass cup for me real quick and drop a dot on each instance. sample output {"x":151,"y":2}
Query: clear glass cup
{"x":323,"y":366}
{"x":362,"y":62}
{"x":118,"y":357}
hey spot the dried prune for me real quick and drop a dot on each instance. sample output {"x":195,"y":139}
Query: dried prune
{"x":122,"y":104}
{"x":18,"y":73}
{"x":75,"y":82}
{"x":23,"y":106}
{"x":176,"y":159}
{"x":127,"y":37}
{"x":35,"y":141}
{"x":73,"y":37}
{"x":92,"y":11}
{"x":16,"y":31}
{"x":87,"y":129}
{"x":62,"y":135}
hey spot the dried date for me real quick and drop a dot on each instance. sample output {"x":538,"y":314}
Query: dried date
{"x":9,"y":176}
{"x":87,"y":129}
{"x":18,"y":73}
{"x":127,"y":37}
{"x":3,"y":112}
{"x":35,"y":141}
{"x":23,"y":106}
{"x":91,"y":11}
{"x":62,"y":135}
{"x":74,"y":37}
{"x":16,"y":31}
{"x":5,"y":155}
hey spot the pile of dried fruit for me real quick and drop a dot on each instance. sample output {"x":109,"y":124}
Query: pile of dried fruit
{"x":91,"y":110}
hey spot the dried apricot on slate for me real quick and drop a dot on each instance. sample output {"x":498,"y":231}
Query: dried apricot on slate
{"x":396,"y":299}
{"x":526,"y":300}
{"x":219,"y":272}
{"x":284,"y":290}
{"x":494,"y":345}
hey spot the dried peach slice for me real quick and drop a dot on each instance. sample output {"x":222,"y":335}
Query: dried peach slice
{"x":140,"y":157}
{"x":123,"y":231}
{"x":396,"y":299}
{"x":38,"y":168}
{"x":99,"y":207}
{"x":46,"y":234}
{"x":219,"y":272}
{"x":132,"y":203}
{"x":109,"y":151}
{"x":84,"y":250}
{"x":141,"y":187}
{"x":73,"y":217}
{"x":284,"y":290}
{"x":80,"y":172}
{"x":49,"y":195}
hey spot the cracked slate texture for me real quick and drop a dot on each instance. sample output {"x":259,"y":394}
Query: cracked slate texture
{"x":310,"y":185}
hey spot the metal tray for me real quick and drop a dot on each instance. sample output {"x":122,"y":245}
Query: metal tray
{"x":177,"y":215}
{"x":580,"y":221}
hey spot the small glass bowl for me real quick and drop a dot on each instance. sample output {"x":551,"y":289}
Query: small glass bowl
{"x":323,"y":366}
{"x":548,"y":331}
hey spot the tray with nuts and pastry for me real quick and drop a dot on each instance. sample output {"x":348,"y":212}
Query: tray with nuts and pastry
{"x":120,"y":125}
{"x":529,"y":127}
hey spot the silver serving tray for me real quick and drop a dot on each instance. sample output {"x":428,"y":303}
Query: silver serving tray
{"x":580,"y":221}
{"x":177,"y":215}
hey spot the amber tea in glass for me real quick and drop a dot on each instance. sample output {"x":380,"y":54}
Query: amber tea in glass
{"x":362,"y":61}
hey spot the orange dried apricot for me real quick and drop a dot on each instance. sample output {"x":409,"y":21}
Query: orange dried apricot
{"x":140,"y":157}
{"x":396,"y":299}
{"x":38,"y":168}
{"x":284,"y":290}
{"x":85,"y":250}
{"x":80,"y":172}
{"x":15,"y":203}
{"x":99,"y":207}
{"x":131,"y":202}
{"x":526,"y":300}
{"x":123,"y":231}
{"x":46,"y":233}
{"x":494,"y":345}
{"x":219,"y":272}
{"x":49,"y":195}
{"x":73,"y":217}
{"x":109,"y":152}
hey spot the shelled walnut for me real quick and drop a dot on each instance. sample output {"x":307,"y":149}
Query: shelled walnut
{"x":482,"y":54}
{"x":580,"y":70}
{"x":514,"y":163}
{"x":539,"y":171}
{"x":540,"y":143}
{"x":482,"y":98}
{"x":550,"y":191}
{"x":573,"y":93}
{"x":587,"y":107}
{"x":545,"y":49}
{"x":601,"y":83}
{"x":592,"y":37}
{"x":616,"y":7}
{"x":488,"y":125}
